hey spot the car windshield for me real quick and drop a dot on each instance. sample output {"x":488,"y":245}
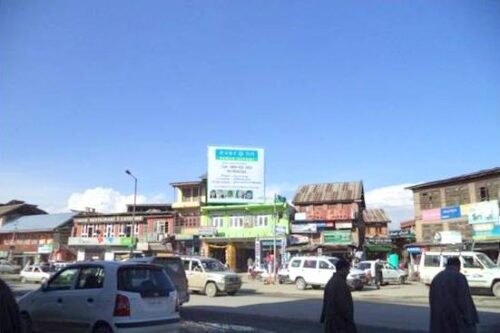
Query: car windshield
{"x":213,"y":266}
{"x":485,"y":260}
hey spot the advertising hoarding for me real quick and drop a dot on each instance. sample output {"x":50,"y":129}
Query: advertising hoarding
{"x":484,"y":212}
{"x":450,"y":213}
{"x":431,"y":214}
{"x":309,"y":228}
{"x":235,"y":175}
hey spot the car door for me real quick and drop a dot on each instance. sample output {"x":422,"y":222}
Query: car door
{"x":48,"y":310}
{"x":473,"y":271}
{"x":197,"y":275}
{"x":389,"y":274}
{"x":87,"y":300}
{"x":325,"y":271}
{"x":310,"y":272}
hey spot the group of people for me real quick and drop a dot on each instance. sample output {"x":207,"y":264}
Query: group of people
{"x":451,"y":305}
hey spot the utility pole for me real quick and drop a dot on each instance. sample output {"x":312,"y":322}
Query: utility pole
{"x":274,"y":236}
{"x":132,"y":232}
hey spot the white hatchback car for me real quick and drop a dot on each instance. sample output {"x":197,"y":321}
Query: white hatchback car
{"x":103,"y":297}
{"x":35,"y":273}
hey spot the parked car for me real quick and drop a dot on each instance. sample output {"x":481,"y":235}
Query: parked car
{"x":316,"y":271}
{"x":8,"y":267}
{"x":389,"y":273}
{"x":481,"y":272}
{"x":36,"y":273}
{"x":103,"y":297}
{"x":175,"y":269}
{"x":210,"y":276}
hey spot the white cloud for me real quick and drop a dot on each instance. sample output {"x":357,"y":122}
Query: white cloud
{"x":107,"y":200}
{"x":395,"y":200}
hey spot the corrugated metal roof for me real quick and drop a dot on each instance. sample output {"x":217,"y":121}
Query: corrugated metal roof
{"x":31,"y":223}
{"x":8,"y":208}
{"x":375,"y":215}
{"x":462,"y":178}
{"x":328,"y":193}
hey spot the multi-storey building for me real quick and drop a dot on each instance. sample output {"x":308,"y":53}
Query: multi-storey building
{"x":329,"y":218}
{"x":377,"y":241}
{"x":112,"y":236}
{"x":190,"y":196}
{"x":234,"y":233}
{"x":37,"y":238}
{"x":461,"y":210}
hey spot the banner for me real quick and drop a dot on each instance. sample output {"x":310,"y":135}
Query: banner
{"x":484,"y":212}
{"x":235,"y":175}
{"x":450,"y":213}
{"x":431,"y":214}
{"x":309,"y":228}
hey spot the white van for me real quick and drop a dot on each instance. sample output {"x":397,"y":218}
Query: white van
{"x":316,"y":271}
{"x":480,"y":270}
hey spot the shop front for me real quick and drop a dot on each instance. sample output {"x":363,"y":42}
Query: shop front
{"x":101,"y":248}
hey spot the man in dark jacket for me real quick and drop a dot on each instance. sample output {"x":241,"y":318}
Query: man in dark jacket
{"x":452,"y":307}
{"x":338,"y":312}
{"x":9,"y":312}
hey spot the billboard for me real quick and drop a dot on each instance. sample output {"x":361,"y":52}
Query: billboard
{"x":484,"y":212}
{"x":337,"y":237}
{"x":235,"y":175}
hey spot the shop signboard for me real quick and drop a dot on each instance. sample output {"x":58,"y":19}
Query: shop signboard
{"x":235,"y":175}
{"x":280,"y":230}
{"x":308,"y":228}
{"x":207,"y":231}
{"x":298,"y":239}
{"x":109,"y":219}
{"x":343,"y":225}
{"x":448,"y":237}
{"x":486,"y":231}
{"x":431,"y":214}
{"x":266,"y":243}
{"x":401,"y":234}
{"x":300,"y":216}
{"x":450,"y":213}
{"x":337,"y":237}
{"x":484,"y":212}
{"x":45,"y":248}
{"x":111,"y":241}
{"x":413,"y":250}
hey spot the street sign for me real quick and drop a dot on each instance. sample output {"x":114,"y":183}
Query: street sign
{"x":280,"y":230}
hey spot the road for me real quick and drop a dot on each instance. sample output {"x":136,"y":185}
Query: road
{"x":282,"y":308}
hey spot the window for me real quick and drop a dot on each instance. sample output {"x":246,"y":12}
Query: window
{"x":64,"y":280}
{"x":487,"y":190}
{"x":470,"y":262}
{"x":324,"y":265}
{"x":484,"y":194}
{"x":309,"y":263}
{"x":136,"y":229}
{"x":262,"y":221}
{"x":91,"y":278}
{"x":236,"y":221}
{"x":122,"y":230}
{"x":108,"y":231}
{"x":196,"y":193}
{"x":196,"y":267}
{"x":217,"y":221}
{"x":90,"y":230}
{"x":186,"y":264}
{"x":149,"y":282}
{"x":430,"y":199}
{"x":432,"y":261}
{"x":295,"y":263}
{"x":84,"y":230}
{"x":186,"y":194}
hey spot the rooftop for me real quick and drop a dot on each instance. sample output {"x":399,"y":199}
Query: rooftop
{"x":16,"y":204}
{"x":329,"y":193}
{"x":462,"y":178}
{"x":37,"y":223}
{"x":376,"y":215}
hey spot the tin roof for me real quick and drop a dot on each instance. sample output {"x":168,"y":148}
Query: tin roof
{"x":329,"y":193}
{"x":375,"y":215}
{"x":462,"y":178}
{"x":407,"y":224}
{"x":37,"y":223}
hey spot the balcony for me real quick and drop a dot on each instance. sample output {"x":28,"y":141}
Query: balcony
{"x":153,"y":237}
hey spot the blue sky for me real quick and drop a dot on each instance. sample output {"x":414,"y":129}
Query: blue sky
{"x":390,"y":92}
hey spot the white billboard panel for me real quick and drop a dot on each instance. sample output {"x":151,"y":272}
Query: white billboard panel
{"x":235,"y":175}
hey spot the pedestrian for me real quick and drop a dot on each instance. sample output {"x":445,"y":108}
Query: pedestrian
{"x":452,"y":307}
{"x":378,"y":274}
{"x":10,"y":321}
{"x":249,"y":264}
{"x":338,"y":311}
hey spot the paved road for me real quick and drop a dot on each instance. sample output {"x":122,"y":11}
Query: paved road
{"x":269,"y":308}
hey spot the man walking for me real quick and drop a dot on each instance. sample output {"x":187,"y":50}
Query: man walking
{"x":338,"y":313}
{"x":378,"y":274}
{"x":452,"y":307}
{"x":10,"y":321}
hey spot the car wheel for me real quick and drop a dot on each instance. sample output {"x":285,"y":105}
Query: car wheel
{"x":232,"y":293}
{"x":23,"y":280}
{"x":211,"y":289}
{"x":496,"y":289}
{"x":26,"y":325}
{"x":102,"y":329}
{"x":300,"y":283}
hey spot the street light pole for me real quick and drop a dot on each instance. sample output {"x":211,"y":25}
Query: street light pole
{"x":132,"y":232}
{"x":274,"y":236}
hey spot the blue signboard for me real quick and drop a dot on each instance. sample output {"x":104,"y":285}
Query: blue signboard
{"x":450,"y":213}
